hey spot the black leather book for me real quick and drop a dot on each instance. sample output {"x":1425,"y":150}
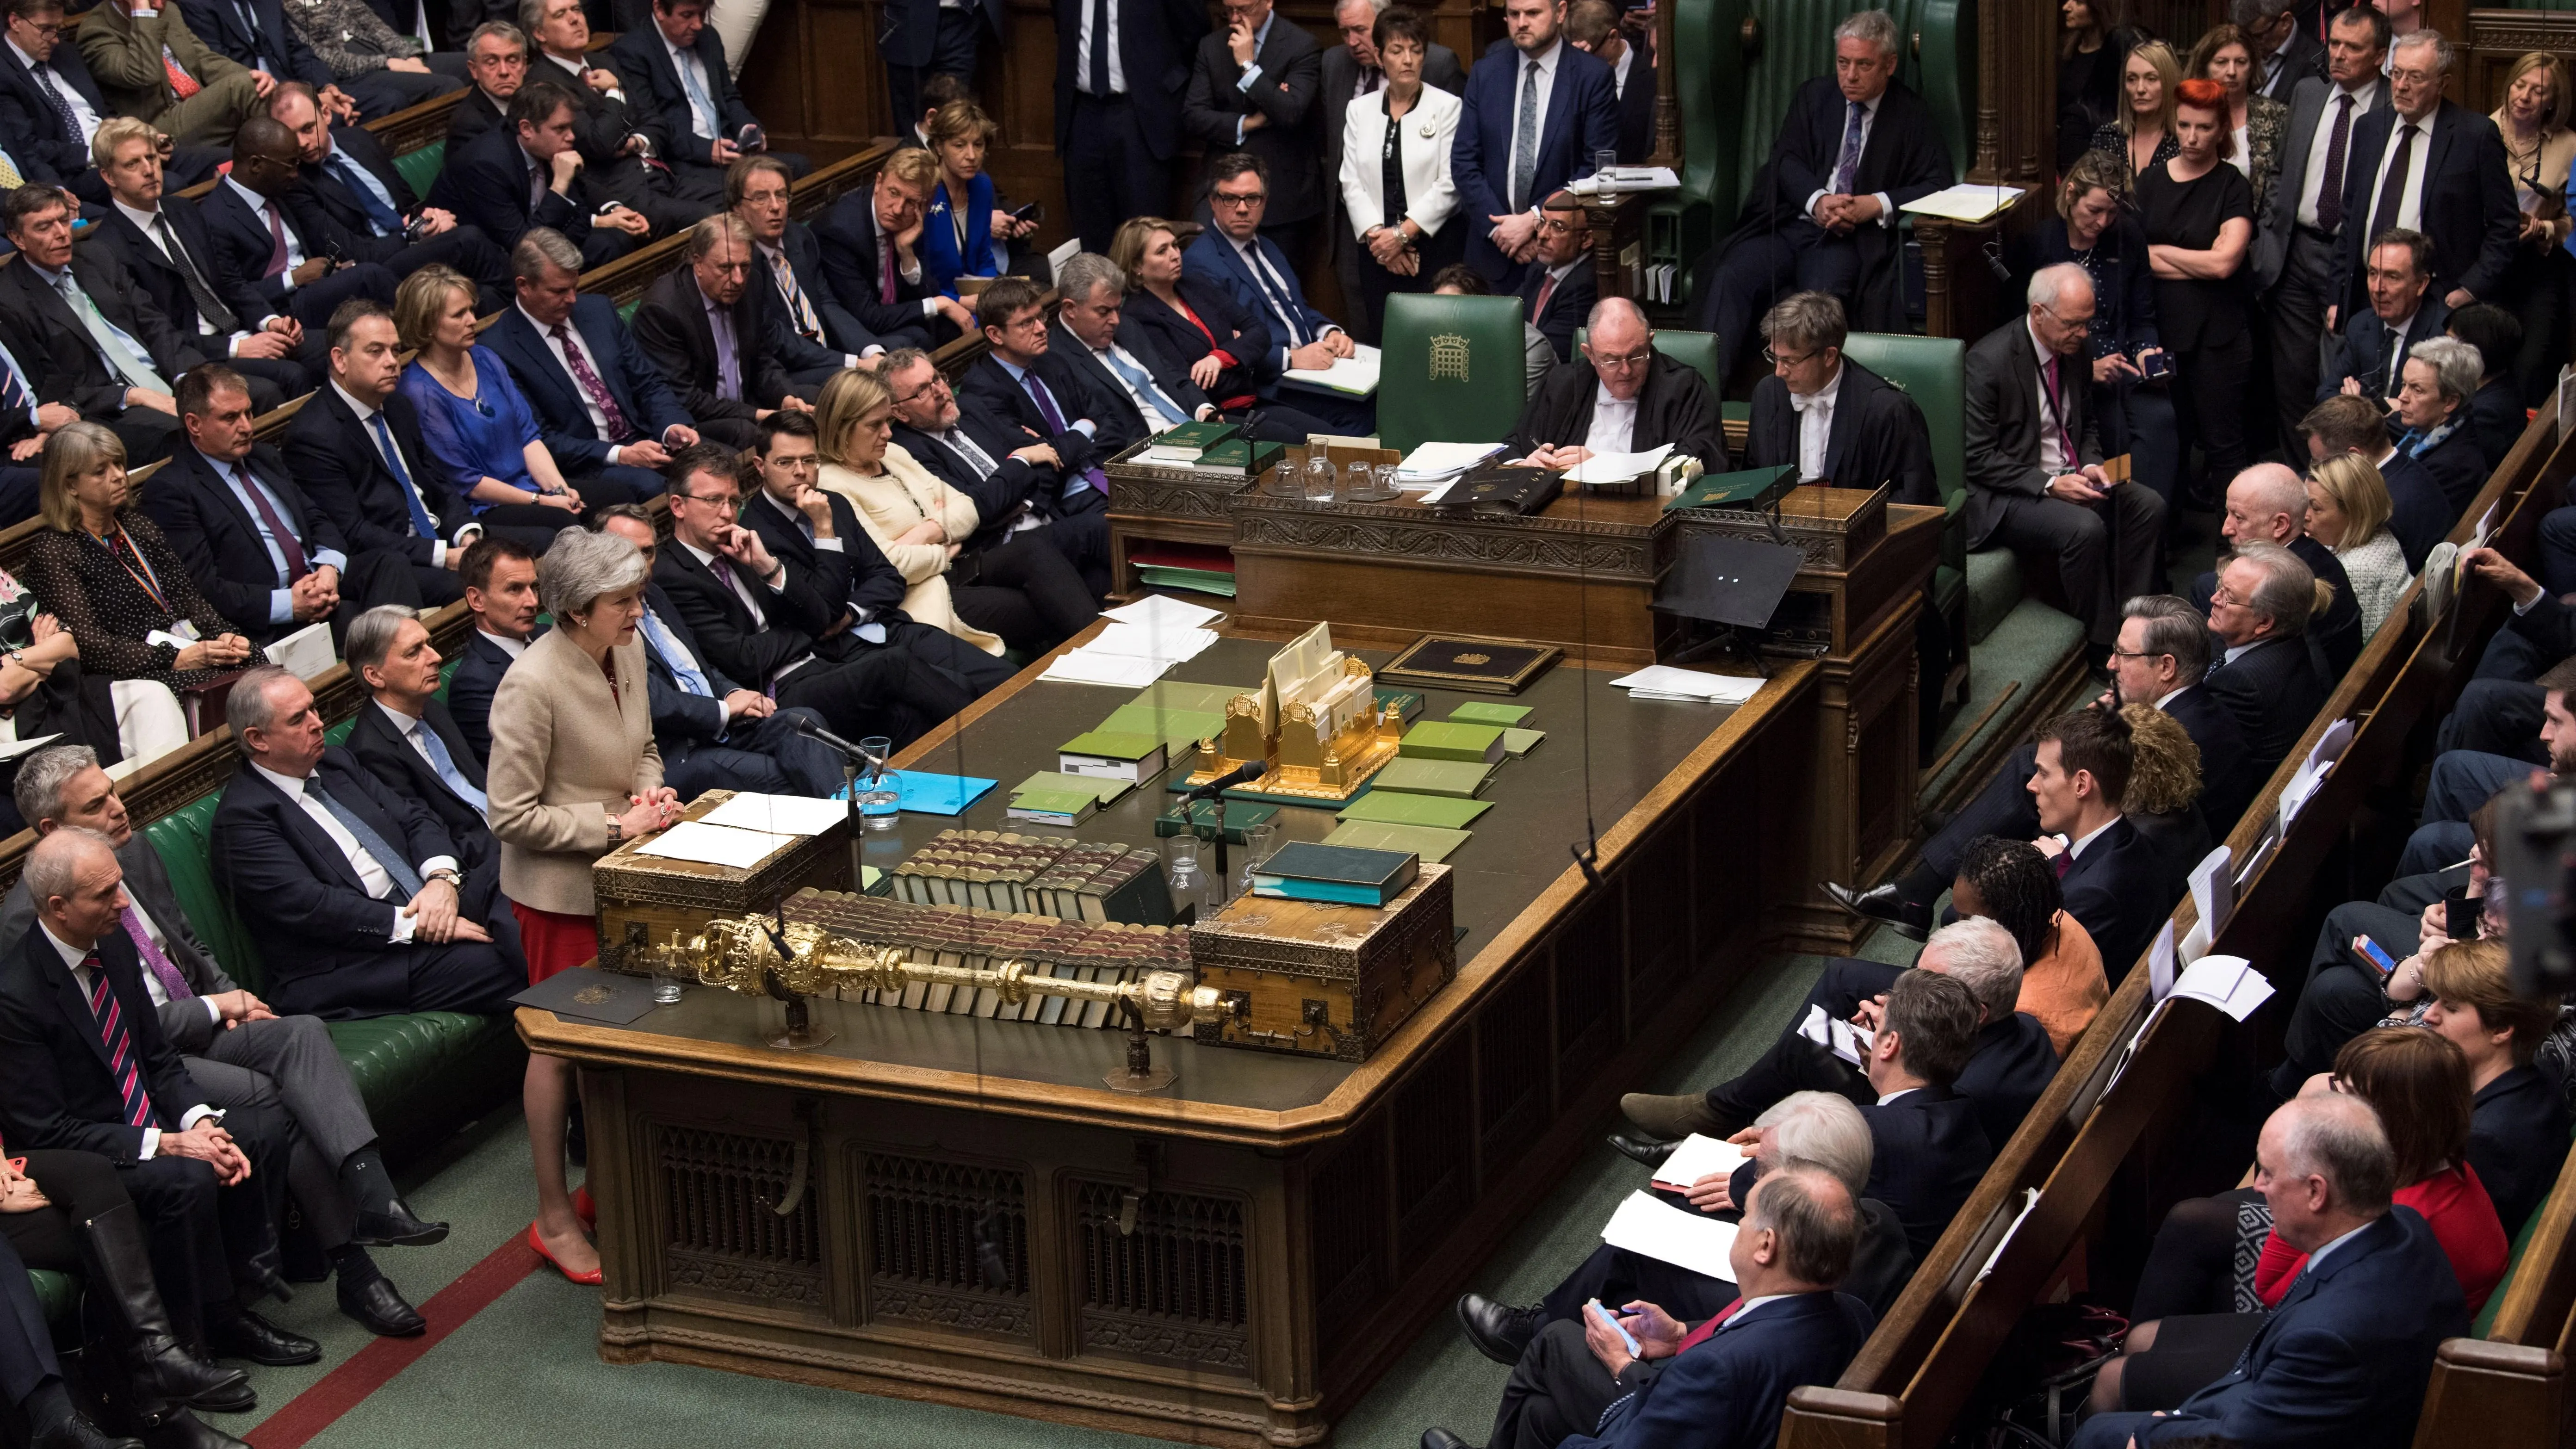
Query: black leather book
{"x":1495,"y":491}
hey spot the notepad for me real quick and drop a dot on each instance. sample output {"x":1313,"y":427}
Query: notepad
{"x":1517,"y":743}
{"x":1647,"y":1224}
{"x":1463,"y":779}
{"x":1396,"y":807}
{"x":715,"y":844}
{"x":779,"y":814}
{"x":1697,"y":1157}
{"x":925,"y":794}
{"x":1484,"y":712}
{"x":1429,"y":842}
{"x":1443,"y":740}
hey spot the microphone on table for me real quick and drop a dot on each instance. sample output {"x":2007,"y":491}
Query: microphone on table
{"x":806,"y":726}
{"x":1243,"y":774}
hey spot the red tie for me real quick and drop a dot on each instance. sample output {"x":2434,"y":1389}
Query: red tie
{"x":276,"y":242}
{"x":1708,"y":1330}
{"x":287,"y":543}
{"x":1538,"y":305}
{"x":2065,"y":862}
{"x":885,"y":284}
{"x":2057,"y":415}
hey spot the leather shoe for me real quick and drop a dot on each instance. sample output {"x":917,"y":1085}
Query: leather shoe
{"x":1671,"y":1119}
{"x":247,"y":1335}
{"x":1498,"y":1330}
{"x":77,"y":1432}
{"x":379,"y":1308}
{"x":1880,"y":903}
{"x":1638,"y":1147}
{"x":1436,"y":1437}
{"x":183,"y":1430}
{"x":397,"y":1229}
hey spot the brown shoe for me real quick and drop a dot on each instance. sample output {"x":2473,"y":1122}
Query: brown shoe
{"x":1671,"y":1118}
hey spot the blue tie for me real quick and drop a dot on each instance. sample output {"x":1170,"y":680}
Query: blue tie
{"x":14,"y":397}
{"x":1278,"y":304}
{"x":421,"y":522}
{"x":1145,"y":387}
{"x":698,"y":94}
{"x":405,"y":879}
{"x":689,"y":675}
{"x":445,"y":764}
{"x":380,"y":210}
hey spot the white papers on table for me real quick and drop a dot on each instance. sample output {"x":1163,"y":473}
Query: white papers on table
{"x":306,"y":652}
{"x":14,"y":748}
{"x":1133,"y":650}
{"x":2312,"y":771}
{"x":1843,"y":1039}
{"x":1663,"y":681}
{"x":1647,"y":1224}
{"x":2212,"y":893}
{"x":1352,"y":376}
{"x":1618,"y":467}
{"x":1126,"y":671}
{"x":2229,"y":983}
{"x":1697,"y":1157}
{"x":778,"y":814}
{"x":1156,"y":641}
{"x":2029,"y":1200}
{"x":715,"y":844}
{"x":1157,"y":611}
{"x":1611,"y":180}
{"x":1965,"y":202}
{"x":1433,"y":462}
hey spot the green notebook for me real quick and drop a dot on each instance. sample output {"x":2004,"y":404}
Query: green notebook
{"x":1195,"y":435}
{"x":1111,"y":745}
{"x":1170,"y":694}
{"x":1045,"y":780}
{"x":1442,"y":740}
{"x":1464,"y":779}
{"x":1179,"y":729}
{"x":1752,"y":488}
{"x":1492,"y":714}
{"x":1517,"y":743}
{"x":1394,"y":807}
{"x":1053,"y":807}
{"x":1429,"y":842}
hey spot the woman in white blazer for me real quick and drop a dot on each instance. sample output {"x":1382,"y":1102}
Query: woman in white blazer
{"x":1395,"y":170}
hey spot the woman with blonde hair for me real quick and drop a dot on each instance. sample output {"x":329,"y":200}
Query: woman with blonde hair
{"x":1199,"y":326}
{"x":2539,"y":149}
{"x":965,"y":233}
{"x":2348,"y":512}
{"x":2143,"y":136}
{"x":991,"y":590}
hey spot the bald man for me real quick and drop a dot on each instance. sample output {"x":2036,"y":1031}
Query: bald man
{"x":1618,"y":395}
{"x":2268,"y":504}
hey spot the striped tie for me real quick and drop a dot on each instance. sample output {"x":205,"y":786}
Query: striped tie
{"x":120,"y":1046}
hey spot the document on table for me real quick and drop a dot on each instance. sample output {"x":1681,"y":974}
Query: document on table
{"x":778,"y":814}
{"x":1699,"y":1157}
{"x":306,"y":652}
{"x":1162,"y":612}
{"x":1841,"y":1038}
{"x":2229,"y":983}
{"x":1432,"y":462}
{"x":1352,"y":376}
{"x":1618,"y":467}
{"x":715,"y":844}
{"x":1966,"y":201}
{"x":1663,"y":681}
{"x":1126,"y":671}
{"x":1647,"y":1224}
{"x":1151,"y":641}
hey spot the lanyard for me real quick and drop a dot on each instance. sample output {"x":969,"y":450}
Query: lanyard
{"x":150,"y":581}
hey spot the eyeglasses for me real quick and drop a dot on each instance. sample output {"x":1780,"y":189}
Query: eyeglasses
{"x":1623,"y":364}
{"x":1794,"y":359}
{"x":1238,"y":200}
{"x":720,"y":505}
{"x":936,"y":384}
{"x":2222,"y":595}
{"x":1550,"y":226}
{"x":2140,"y":653}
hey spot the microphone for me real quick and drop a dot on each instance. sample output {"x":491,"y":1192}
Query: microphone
{"x":1243,"y":774}
{"x":809,"y":728}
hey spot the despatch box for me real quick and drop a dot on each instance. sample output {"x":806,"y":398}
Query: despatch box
{"x":1326,"y":980}
{"x":643,"y":900}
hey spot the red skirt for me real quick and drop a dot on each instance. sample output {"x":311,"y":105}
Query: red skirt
{"x":554,"y":941}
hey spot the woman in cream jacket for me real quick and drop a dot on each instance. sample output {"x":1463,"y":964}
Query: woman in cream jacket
{"x":1395,"y":171}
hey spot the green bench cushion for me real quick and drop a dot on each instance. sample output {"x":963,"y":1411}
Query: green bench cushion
{"x":58,"y":1296}
{"x":420,"y":168}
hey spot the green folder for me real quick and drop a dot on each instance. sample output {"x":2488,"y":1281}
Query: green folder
{"x":1407,"y":704}
{"x":1517,"y":743}
{"x":1394,"y":807}
{"x":1752,"y":488}
{"x":1464,"y":779}
{"x":1106,"y":745}
{"x":1179,"y":729}
{"x":1492,"y":714}
{"x":1074,"y":805}
{"x":1195,"y":435}
{"x":1429,"y":842}
{"x":1045,"y":780}
{"x":1171,"y":694}
{"x":1441,"y":740}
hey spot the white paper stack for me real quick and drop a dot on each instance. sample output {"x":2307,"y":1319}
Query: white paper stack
{"x":778,"y":814}
{"x":1697,"y":1157}
{"x":1663,"y":681}
{"x":1159,"y":611}
{"x":1352,"y":376}
{"x":1965,"y":202}
{"x":306,"y":652}
{"x":2213,"y":894}
{"x":1432,"y":463}
{"x":715,"y":844}
{"x":1647,"y":1224}
{"x":1618,"y":467}
{"x":1125,"y":671}
{"x":1843,"y":1039}
{"x":2229,"y":983}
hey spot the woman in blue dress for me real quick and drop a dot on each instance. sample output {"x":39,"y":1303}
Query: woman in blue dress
{"x":478,"y":427}
{"x":962,"y":235}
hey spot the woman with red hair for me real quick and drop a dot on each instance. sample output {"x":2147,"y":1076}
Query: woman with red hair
{"x":2199,"y":216}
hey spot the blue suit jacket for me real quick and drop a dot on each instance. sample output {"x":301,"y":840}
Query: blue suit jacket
{"x":29,"y":124}
{"x":2340,"y":1364}
{"x":983,"y":257}
{"x":1727,"y":1391}
{"x":486,"y":184}
{"x":218,"y":539}
{"x":1211,"y":258}
{"x":470,"y":689}
{"x":1927,"y":1150}
{"x":653,"y":89}
{"x":842,"y":331}
{"x":1582,"y":117}
{"x":2361,"y":348}
{"x":563,"y":422}
{"x":2120,"y":890}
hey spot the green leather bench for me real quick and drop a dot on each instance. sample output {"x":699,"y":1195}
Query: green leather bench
{"x":420,"y":168}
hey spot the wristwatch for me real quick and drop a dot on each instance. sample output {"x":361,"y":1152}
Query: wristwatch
{"x":451,"y":877}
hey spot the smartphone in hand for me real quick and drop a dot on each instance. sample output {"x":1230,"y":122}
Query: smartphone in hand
{"x":2379,"y":958}
{"x":2462,"y":917}
{"x":1593,"y":1307}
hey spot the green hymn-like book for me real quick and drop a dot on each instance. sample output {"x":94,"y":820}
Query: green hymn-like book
{"x":1202,"y":436}
{"x":1750,"y":488}
{"x":1449,"y":740}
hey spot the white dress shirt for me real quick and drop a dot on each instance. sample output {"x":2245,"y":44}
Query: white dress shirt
{"x":2323,"y":141}
{"x":1154,"y":420}
{"x":366,"y":413}
{"x":1884,"y":1100}
{"x":371,"y":874}
{"x":2075,"y":847}
{"x":1815,"y":413}
{"x":77,"y":958}
{"x":702,"y":121}
{"x":152,"y":986}
{"x":1619,"y":71}
{"x":2410,"y":204}
{"x":512,"y":647}
{"x":911,"y":274}
{"x":2052,"y":452}
{"x":579,"y":74}
{"x":1546,"y":61}
{"x":733,"y":575}
{"x":555,"y":349}
{"x":1082,"y":50}
{"x":1614,"y":421}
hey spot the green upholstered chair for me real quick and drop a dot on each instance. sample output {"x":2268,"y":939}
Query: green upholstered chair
{"x":1452,"y":370}
{"x":1698,"y":349}
{"x":184,"y":839}
{"x":338,"y":734}
{"x":1934,"y":372}
{"x":420,"y":168}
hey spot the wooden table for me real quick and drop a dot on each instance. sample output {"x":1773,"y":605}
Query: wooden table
{"x":1234,"y":1260}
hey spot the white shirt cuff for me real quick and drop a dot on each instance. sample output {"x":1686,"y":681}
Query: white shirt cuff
{"x":2524,"y":608}
{"x":437,"y":863}
{"x":197,"y":1114}
{"x":151,"y":1143}
{"x":437,"y":554}
{"x":404,"y":921}
{"x":1886,"y":208}
{"x":214,"y":1013}
{"x":1809,"y":210}
{"x":615,"y":452}
{"x":1251,"y":73}
{"x":929,"y":306}
{"x":871,"y":350}
{"x":724,"y":714}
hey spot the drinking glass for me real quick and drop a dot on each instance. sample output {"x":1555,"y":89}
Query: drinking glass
{"x":1603,"y":161}
{"x":667,"y":979}
{"x":1374,"y":485}
{"x":1319,"y":478}
{"x":1192,"y":899}
{"x":1259,"y":841}
{"x":879,"y":807}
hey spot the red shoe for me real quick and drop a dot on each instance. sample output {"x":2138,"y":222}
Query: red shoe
{"x":538,"y":1242}
{"x":586,"y":1207}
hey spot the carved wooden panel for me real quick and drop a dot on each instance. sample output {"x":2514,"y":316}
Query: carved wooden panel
{"x":1163,"y":1277}
{"x":1587,"y":986}
{"x":1658,"y":939}
{"x":948,"y":1245}
{"x":1347,"y":1204}
{"x":1512,"y":1080}
{"x":1434,"y":1164}
{"x":721,"y":1194}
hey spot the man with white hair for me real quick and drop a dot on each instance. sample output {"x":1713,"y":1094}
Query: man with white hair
{"x":2266,"y":675}
{"x":2268,"y":503}
{"x":1618,"y":395}
{"x":2343,"y":1358}
{"x":2035,"y":479}
{"x":2428,"y":165}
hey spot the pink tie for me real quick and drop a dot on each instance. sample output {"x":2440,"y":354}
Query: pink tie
{"x":1708,"y":1330}
{"x":885,"y":286}
{"x":1546,"y":289}
{"x":277,"y":242}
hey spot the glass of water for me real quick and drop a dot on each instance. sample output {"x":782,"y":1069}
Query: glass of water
{"x":1603,"y":160}
{"x":1258,"y":843}
{"x":1319,"y":478}
{"x":878,"y":809}
{"x":668,"y":979}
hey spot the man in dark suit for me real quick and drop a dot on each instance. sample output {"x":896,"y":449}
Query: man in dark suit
{"x":31,"y":1376}
{"x":1013,"y":474}
{"x":817,"y":336}
{"x":2035,"y":482}
{"x":89,"y":1070}
{"x":871,"y":257}
{"x":758,"y":620}
{"x":371,"y":209}
{"x":113,"y":358}
{"x":923,"y":38}
{"x":266,"y":556}
{"x":254,"y":35}
{"x":360,"y":903}
{"x":1593,"y":26}
{"x":1619,"y":395}
{"x":1828,"y":416}
{"x":2421,"y":516}
{"x":602,"y":409}
{"x":1500,"y":182}
{"x":528,"y":172}
{"x":496,"y":62}
{"x":1119,"y":73}
{"x":706,"y":330}
{"x":2285,"y":52}
{"x":261,"y":202}
{"x":2366,"y":355}
{"x":621,"y":145}
{"x":2118,"y":886}
{"x":712,"y":732}
{"x":1722,"y":1383}
{"x":1136,"y":390}
{"x":407,"y":739}
{"x":676,"y":76}
{"x":1347,"y":72}
{"x":238,"y":1051}
{"x":2428,"y":165}
{"x":356,"y":451}
{"x":1242,"y":253}
{"x":2268,"y":679}
{"x":1252,"y":91}
{"x":50,"y":108}
{"x":2342,"y":1360}
{"x":1822,"y":218}
{"x":2267,"y":503}
{"x":1558,"y":293}
{"x":1021,"y":382}
{"x":500,"y":579}
{"x":2294,"y":249}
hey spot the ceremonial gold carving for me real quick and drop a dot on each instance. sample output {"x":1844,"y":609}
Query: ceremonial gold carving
{"x":1314,"y":725}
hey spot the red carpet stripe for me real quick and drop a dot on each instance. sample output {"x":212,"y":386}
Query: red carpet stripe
{"x":373,"y":1367}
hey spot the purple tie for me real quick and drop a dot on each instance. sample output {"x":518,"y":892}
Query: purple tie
{"x":2065,"y":861}
{"x":1055,"y":424}
{"x":619,"y":430}
{"x":154,"y":961}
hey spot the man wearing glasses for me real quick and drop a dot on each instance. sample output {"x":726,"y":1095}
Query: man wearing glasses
{"x":1836,"y":421}
{"x":1619,"y":396}
{"x":708,"y":332}
{"x":1235,"y":255}
{"x":1559,"y":292}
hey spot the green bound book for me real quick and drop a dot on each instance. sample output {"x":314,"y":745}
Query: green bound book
{"x":1479,"y":712}
{"x":1444,"y":740}
{"x":1102,"y":789}
{"x":1195,"y":435}
{"x":1463,"y":779}
{"x":1397,"y":808}
{"x":1130,"y":757}
{"x":1517,"y":743}
{"x":1244,"y":455}
{"x":1431,"y":843}
{"x":1406,"y":703}
{"x":1178,"y":729}
{"x":1752,"y":488}
{"x":1053,"y":807}
{"x":1305,"y":871}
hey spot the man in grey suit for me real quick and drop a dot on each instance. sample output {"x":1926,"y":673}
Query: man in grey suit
{"x":2294,"y":250}
{"x":240,"y":1052}
{"x":1350,"y":71}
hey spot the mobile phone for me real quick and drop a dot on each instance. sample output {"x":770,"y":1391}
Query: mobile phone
{"x":2154,"y":364}
{"x":2461,"y":917}
{"x":1034,"y":211}
{"x":1593,"y":1307}
{"x":752,"y":138}
{"x":2378,"y":958}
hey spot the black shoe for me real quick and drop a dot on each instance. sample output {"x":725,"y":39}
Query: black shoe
{"x":397,"y":1229}
{"x":1638,"y":1147}
{"x":1439,"y":1438}
{"x":247,"y":1335}
{"x":232,"y":1395}
{"x":1880,"y":903}
{"x":1498,"y":1330}
{"x":379,"y":1308}
{"x":184,"y":1430}
{"x":79,"y":1433}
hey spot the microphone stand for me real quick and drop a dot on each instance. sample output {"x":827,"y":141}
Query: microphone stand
{"x":853,"y":760}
